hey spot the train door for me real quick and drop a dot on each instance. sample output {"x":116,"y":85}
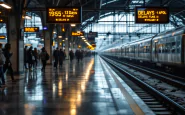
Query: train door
{"x":156,"y":51}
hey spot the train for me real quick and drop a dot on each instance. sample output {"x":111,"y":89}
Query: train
{"x":166,"y":49}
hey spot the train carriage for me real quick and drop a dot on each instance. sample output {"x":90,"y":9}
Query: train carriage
{"x":167,"y":48}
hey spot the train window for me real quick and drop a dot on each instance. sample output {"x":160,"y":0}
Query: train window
{"x":168,"y":47}
{"x":178,"y":45}
{"x":173,"y":47}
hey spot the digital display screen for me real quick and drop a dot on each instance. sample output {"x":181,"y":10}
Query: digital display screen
{"x":158,"y":15}
{"x":31,"y":29}
{"x":63,"y":15}
{"x":77,"y":33}
{"x":2,"y":37}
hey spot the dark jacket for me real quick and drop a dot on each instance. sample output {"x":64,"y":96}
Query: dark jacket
{"x":7,"y":55}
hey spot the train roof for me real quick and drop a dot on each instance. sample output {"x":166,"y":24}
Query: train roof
{"x":175,"y":31}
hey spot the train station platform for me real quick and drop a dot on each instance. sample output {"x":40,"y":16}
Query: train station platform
{"x":84,"y":88}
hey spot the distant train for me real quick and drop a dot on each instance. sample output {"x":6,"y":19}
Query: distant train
{"x":167,"y":49}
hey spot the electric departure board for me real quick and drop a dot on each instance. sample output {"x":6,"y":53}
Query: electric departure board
{"x":31,"y":29}
{"x":77,"y":33}
{"x":2,"y":37}
{"x":157,"y":15}
{"x":63,"y":15}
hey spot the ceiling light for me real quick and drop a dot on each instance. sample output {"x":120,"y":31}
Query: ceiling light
{"x":54,"y":32}
{"x":27,"y":17}
{"x":73,"y":25}
{"x":5,"y":5}
{"x":83,"y":38}
{"x":59,"y":36}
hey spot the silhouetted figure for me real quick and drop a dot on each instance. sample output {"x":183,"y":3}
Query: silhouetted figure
{"x":43,"y":58}
{"x":77,"y":54}
{"x":31,"y":58}
{"x":61,"y":57}
{"x":25,"y":57}
{"x":8,"y":64}
{"x":71,"y":55}
{"x":56,"y":57}
{"x":2,"y":62}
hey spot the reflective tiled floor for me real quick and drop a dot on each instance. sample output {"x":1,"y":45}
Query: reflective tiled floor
{"x":75,"y":89}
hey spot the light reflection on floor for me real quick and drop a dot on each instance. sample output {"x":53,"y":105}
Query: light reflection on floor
{"x":76,"y":89}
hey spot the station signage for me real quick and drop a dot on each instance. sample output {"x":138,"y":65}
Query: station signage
{"x":63,"y":15}
{"x":31,"y":29}
{"x":77,"y":33}
{"x":157,"y":15}
{"x":2,"y":37}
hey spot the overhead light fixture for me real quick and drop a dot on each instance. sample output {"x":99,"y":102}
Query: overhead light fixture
{"x":63,"y":40}
{"x":5,"y":5}
{"x":66,"y":38}
{"x":73,"y":25}
{"x":54,"y":32}
{"x":59,"y":36}
{"x":27,"y":17}
{"x":83,"y":38}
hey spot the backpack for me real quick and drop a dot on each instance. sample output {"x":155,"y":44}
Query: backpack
{"x":47,"y":56}
{"x":2,"y":58}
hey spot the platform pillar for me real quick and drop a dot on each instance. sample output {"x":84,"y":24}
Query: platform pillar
{"x":15,"y":35}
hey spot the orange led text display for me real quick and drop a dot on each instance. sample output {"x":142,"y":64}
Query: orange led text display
{"x":63,"y":15}
{"x":151,"y":15}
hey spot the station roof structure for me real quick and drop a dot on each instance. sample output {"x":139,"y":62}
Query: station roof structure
{"x":94,"y":8}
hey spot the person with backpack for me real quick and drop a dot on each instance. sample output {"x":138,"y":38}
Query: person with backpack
{"x":44,"y":57}
{"x":2,"y":62}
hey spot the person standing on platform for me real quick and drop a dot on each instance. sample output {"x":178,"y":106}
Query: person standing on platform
{"x":61,"y":57}
{"x":81,"y":54}
{"x":43,"y":57}
{"x":2,"y":62}
{"x":77,"y":54}
{"x":71,"y":55}
{"x":8,"y":64}
{"x":35,"y":53}
{"x":25,"y":57}
{"x":31,"y":58}
{"x":56,"y":57}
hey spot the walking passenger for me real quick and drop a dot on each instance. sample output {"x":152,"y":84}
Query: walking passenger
{"x":8,"y":64}
{"x":25,"y":57}
{"x":2,"y":62}
{"x":77,"y":54}
{"x":56,"y":57}
{"x":31,"y":58}
{"x":81,"y":54}
{"x":43,"y":57}
{"x":61,"y":57}
{"x":35,"y":53}
{"x":71,"y":55}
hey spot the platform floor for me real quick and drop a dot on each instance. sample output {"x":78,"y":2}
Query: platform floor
{"x":75,"y":89}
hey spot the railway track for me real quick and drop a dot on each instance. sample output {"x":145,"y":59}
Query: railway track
{"x":166,"y":77}
{"x":159,"y":102}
